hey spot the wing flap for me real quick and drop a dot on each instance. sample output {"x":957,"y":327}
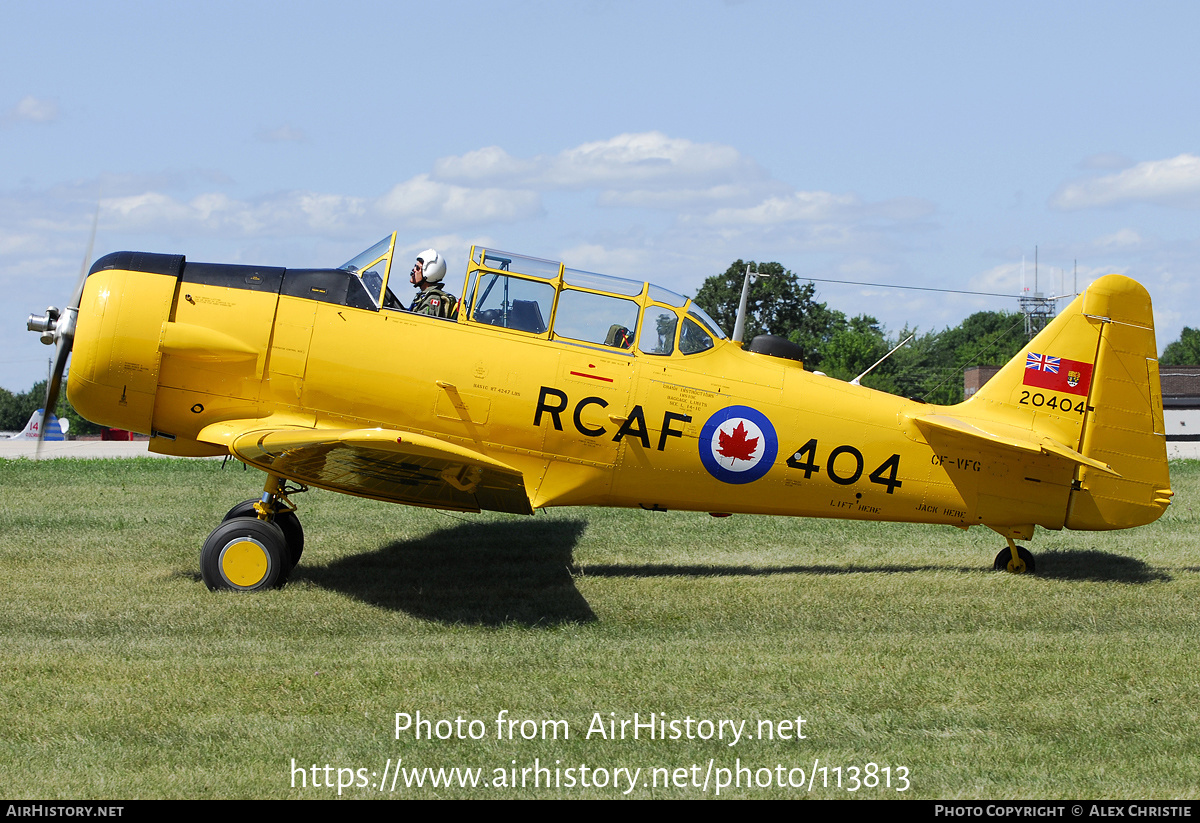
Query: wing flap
{"x":385,"y":464}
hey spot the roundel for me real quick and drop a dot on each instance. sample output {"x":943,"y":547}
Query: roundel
{"x":738,"y":445}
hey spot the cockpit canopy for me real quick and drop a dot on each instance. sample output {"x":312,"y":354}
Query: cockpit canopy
{"x":546,"y":299}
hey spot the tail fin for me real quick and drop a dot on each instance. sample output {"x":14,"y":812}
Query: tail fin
{"x":1089,"y":381}
{"x":55,"y":430}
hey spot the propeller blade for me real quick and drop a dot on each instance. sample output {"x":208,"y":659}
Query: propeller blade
{"x":64,"y":332}
{"x":77,"y":296}
{"x":53,"y":387}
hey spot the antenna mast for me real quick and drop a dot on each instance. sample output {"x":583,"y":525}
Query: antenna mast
{"x":739,"y":325}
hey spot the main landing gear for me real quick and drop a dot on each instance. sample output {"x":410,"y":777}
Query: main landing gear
{"x":1015,"y":559}
{"x":257,"y":544}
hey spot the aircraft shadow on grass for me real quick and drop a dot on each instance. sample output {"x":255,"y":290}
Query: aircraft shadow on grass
{"x":1086,"y":565}
{"x":1097,"y":567}
{"x":479,"y":574}
{"x":524,"y":573}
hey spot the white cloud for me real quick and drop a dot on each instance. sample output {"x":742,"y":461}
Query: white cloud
{"x":19,"y":243}
{"x":415,"y":204}
{"x":642,"y":170}
{"x":489,"y":164}
{"x":816,"y":207}
{"x":646,"y":160}
{"x":143,"y":210}
{"x":283,"y":134}
{"x":1012,"y":278}
{"x":1122,"y":240}
{"x":1171,"y":182}
{"x":1007,"y":278}
{"x":901,"y":209}
{"x":1108,"y":161}
{"x":801,"y":206}
{"x":710,"y":188}
{"x":330,"y":213}
{"x":598,"y":258}
{"x":821,"y":208}
{"x":681,"y":198}
{"x":711,"y":202}
{"x":217,"y":213}
{"x":31,"y":110}
{"x":426,"y":203}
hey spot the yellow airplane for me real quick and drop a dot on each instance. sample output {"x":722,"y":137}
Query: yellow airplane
{"x":556,"y":387}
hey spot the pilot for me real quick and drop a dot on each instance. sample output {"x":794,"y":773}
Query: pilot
{"x":427,"y":274}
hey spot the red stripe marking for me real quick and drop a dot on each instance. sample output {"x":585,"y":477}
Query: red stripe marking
{"x":593,"y":376}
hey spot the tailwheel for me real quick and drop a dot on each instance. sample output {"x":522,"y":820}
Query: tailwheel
{"x":245,"y":554}
{"x":1015,"y":559}
{"x":287,"y":521}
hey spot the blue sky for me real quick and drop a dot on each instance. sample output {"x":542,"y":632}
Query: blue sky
{"x":930,"y":144}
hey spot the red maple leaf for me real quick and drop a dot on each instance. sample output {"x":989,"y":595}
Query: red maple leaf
{"x":737,"y":445}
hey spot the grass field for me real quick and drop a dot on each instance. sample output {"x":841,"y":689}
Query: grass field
{"x":124,"y":677}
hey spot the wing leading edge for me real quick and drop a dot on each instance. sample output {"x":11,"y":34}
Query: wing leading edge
{"x":385,"y":464}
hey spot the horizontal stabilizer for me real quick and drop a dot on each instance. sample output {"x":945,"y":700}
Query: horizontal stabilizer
{"x":1006,"y":437}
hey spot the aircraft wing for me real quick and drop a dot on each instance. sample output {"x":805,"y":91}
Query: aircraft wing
{"x":385,"y":464}
{"x":1005,"y":437}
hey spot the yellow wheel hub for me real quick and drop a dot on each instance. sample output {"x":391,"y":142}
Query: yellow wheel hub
{"x":245,"y":563}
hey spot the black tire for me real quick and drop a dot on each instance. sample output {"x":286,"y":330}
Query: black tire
{"x":1004,"y":561}
{"x":245,"y":554}
{"x":293,"y":532}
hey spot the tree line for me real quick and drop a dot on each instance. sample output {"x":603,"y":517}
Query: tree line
{"x":1185,"y":351}
{"x":930,"y":368}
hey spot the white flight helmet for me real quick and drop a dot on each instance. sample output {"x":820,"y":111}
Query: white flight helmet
{"x":434,"y":268}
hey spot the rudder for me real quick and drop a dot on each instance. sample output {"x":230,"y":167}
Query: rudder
{"x":1124,"y":424}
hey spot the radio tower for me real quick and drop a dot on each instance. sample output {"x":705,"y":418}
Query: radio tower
{"x":1037,"y":308}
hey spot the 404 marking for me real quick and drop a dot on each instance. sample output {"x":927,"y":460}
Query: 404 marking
{"x":848,"y":469}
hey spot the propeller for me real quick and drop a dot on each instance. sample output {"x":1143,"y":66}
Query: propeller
{"x":58,"y":329}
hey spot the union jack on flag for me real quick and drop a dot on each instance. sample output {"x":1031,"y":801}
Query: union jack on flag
{"x":1042,"y":362}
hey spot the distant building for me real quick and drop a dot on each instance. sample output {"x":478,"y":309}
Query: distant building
{"x":975,"y":377}
{"x":1181,"y":402}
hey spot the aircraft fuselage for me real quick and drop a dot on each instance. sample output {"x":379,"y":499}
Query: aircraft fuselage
{"x":178,"y":350}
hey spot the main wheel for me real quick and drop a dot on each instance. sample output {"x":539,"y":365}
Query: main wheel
{"x":293,"y":532}
{"x":245,"y":554}
{"x":1022,"y":565}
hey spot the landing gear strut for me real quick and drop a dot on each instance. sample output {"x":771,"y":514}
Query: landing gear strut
{"x":258,"y":543}
{"x":1015,"y":559}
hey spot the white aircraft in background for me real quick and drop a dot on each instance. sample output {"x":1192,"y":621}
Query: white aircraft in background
{"x":56,"y":429}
